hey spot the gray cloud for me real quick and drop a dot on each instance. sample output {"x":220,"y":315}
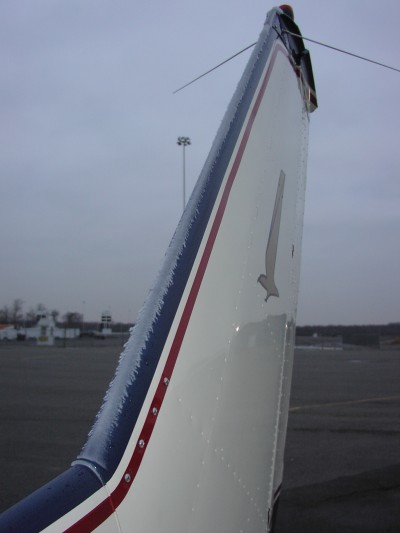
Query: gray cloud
{"x":91,"y":174}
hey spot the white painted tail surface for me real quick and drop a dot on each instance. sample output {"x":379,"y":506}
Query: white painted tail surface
{"x":203,"y":412}
{"x":214,"y":459}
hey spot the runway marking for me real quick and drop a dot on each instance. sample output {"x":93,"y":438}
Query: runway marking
{"x":349,"y":402}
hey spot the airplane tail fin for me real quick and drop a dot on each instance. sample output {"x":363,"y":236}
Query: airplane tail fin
{"x":191,"y":433}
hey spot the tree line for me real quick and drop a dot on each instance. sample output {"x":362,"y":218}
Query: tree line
{"x":14,"y":314}
{"x":392,"y":329}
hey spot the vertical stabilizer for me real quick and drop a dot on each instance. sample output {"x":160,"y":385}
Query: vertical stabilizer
{"x":191,"y":434}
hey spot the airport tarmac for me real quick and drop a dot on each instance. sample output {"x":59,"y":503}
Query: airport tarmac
{"x":342,"y":462}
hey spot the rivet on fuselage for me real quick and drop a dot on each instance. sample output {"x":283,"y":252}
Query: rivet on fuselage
{"x":141,"y":443}
{"x":166,"y":381}
{"x":154,"y":411}
{"x":127,"y":478}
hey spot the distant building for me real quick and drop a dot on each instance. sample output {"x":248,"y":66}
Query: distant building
{"x":47,"y":328}
{"x":46,"y":331}
{"x":103,"y":329}
{"x":105,"y":324}
{"x":7,"y":332}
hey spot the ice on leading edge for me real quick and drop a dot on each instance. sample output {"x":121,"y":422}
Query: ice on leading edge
{"x":107,"y":419}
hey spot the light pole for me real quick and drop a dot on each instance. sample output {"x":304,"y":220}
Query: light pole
{"x":184,"y":141}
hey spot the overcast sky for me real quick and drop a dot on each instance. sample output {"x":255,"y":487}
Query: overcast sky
{"x":91,"y":176}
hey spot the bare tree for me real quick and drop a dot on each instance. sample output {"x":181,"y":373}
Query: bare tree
{"x":40,"y":309}
{"x":5,"y":315}
{"x":72,"y":319}
{"x":30,"y":317}
{"x":55,"y":314}
{"x":16,"y":314}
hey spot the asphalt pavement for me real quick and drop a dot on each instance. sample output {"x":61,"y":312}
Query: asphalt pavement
{"x":342,"y":460}
{"x":49,"y":397}
{"x":342,"y":457}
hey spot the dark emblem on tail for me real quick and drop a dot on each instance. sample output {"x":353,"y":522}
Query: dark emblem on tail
{"x":267,"y":280}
